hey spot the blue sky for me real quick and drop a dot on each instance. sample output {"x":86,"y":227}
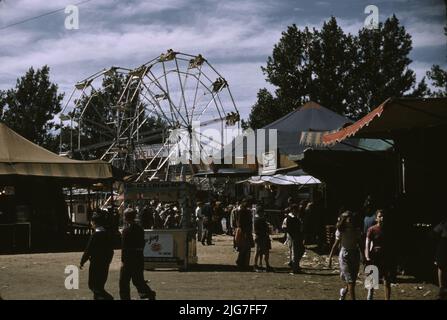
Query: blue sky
{"x":235,"y":36}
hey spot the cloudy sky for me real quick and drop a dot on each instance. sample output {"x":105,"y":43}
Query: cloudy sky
{"x":236,"y":36}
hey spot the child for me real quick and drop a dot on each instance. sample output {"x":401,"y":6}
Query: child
{"x":348,"y":236}
{"x":262,"y":240}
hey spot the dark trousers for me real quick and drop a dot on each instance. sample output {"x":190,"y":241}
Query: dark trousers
{"x":298,"y":251}
{"x":207,"y":235}
{"x":97,"y":278}
{"x":243,"y":257}
{"x":229,"y":230}
{"x":134,"y":272}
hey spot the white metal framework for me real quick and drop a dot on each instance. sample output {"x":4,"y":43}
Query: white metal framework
{"x":184,"y":91}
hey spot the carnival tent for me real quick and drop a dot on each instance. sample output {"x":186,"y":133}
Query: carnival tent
{"x":294,"y":133}
{"x":21,"y":157}
{"x":394,"y":117}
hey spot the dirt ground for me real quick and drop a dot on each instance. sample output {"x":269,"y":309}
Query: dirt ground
{"x":41,"y":276}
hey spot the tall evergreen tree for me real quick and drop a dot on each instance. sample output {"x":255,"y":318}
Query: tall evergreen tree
{"x":438,"y":76}
{"x":348,"y":74}
{"x":104,"y":109}
{"x":332,"y":62}
{"x":266,"y":109}
{"x":383,"y":66}
{"x":97,"y":118}
{"x":288,"y":70}
{"x":30,"y":107}
{"x":420,"y":90}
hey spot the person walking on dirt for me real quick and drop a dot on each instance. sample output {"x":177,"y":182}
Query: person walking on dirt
{"x":262,"y":240}
{"x":199,"y":220}
{"x":100,"y":253}
{"x":244,"y":237}
{"x":234,"y":217}
{"x":207,"y":212}
{"x":132,"y":266}
{"x":348,"y":236}
{"x":294,"y":227}
{"x":378,"y":252}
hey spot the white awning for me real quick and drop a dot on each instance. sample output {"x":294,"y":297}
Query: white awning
{"x":280,"y":179}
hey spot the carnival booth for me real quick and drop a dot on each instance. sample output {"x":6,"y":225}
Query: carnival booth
{"x":173,"y":247}
{"x":33,"y":212}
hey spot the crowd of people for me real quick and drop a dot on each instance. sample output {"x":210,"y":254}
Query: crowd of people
{"x":159,"y":215}
{"x":363,"y":238}
{"x":371,"y":239}
{"x":367,"y":237}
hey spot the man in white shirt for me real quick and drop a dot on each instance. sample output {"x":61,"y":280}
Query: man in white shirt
{"x":199,"y":220}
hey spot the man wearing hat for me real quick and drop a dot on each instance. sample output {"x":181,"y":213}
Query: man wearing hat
{"x":100,"y":253}
{"x":132,"y":259}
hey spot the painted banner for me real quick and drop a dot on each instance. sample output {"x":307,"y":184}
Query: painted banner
{"x":158,"y":245}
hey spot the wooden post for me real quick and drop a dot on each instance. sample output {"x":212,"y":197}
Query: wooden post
{"x":89,"y":213}
{"x":112,"y":201}
{"x":71,"y":204}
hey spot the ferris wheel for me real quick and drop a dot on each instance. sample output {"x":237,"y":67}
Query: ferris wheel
{"x":153,"y":119}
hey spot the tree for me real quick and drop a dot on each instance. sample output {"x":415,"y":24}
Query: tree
{"x":98,"y":109}
{"x":420,"y":90}
{"x":349,"y":74}
{"x":266,"y":107}
{"x":383,"y":66}
{"x":332,"y":54}
{"x":30,"y":107}
{"x":287,"y":69}
{"x":438,"y":78}
{"x":104,"y":109}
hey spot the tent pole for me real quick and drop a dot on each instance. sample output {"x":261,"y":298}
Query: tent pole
{"x":111,"y":197}
{"x":71,"y":204}
{"x":89,"y":211}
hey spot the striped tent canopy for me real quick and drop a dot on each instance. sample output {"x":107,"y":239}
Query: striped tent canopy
{"x":19,"y":156}
{"x":313,"y":138}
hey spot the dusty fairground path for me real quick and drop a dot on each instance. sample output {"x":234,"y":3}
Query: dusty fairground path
{"x":41,"y":276}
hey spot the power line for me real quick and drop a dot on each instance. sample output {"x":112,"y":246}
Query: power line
{"x":40,"y":16}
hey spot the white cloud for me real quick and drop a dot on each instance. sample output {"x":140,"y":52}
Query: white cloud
{"x":16,"y":40}
{"x":74,"y":55}
{"x":426,"y":34}
{"x":250,"y":7}
{"x":420,"y":69}
{"x":235,"y":36}
{"x":146,"y":7}
{"x":16,"y":10}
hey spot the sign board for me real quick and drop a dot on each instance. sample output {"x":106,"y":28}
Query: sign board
{"x":269,"y":163}
{"x":158,"y":190}
{"x":158,"y":245}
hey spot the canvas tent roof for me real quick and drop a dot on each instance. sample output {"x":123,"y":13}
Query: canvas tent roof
{"x":309,"y":117}
{"x":310,"y":121}
{"x":19,"y":156}
{"x":393,"y":117}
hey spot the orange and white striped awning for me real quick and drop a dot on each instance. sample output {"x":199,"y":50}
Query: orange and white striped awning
{"x":394,"y":117}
